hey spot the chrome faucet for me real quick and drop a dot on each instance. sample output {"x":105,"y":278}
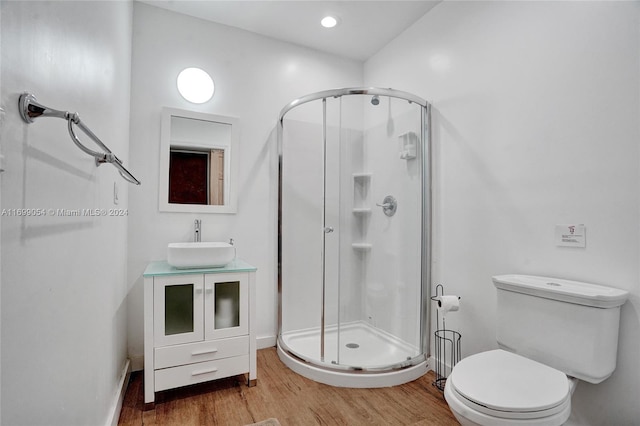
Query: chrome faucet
{"x":196,"y":231}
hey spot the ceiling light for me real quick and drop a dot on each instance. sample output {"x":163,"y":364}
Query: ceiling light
{"x":329,"y":22}
{"x":195,"y":85}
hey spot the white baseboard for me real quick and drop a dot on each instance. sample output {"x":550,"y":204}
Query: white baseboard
{"x":446,"y":366}
{"x":116,"y":404}
{"x":137,"y":362}
{"x":431,"y":361}
{"x":265,"y":342}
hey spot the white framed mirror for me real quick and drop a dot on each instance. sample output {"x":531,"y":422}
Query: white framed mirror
{"x":198,"y":162}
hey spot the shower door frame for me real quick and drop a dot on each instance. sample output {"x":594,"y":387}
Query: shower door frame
{"x":426,"y":221}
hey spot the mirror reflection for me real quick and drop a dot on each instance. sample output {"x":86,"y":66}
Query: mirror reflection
{"x":197,"y":161}
{"x":196,"y":170}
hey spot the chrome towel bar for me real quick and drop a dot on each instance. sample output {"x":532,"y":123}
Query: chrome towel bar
{"x":31,"y":109}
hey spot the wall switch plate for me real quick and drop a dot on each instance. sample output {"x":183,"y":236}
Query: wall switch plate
{"x":571,"y":236}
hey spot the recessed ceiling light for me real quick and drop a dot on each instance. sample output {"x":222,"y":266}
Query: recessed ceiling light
{"x":329,"y":22}
{"x":195,"y":85}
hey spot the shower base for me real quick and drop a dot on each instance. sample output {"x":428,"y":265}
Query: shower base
{"x":365,"y":358}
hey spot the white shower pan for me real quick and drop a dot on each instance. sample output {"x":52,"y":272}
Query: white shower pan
{"x":365,"y":351}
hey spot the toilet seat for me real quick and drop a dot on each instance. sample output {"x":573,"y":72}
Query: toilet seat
{"x":505,"y":385}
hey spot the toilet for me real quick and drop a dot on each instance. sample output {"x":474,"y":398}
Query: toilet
{"x":551,"y":333}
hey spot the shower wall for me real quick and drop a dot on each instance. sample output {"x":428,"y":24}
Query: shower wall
{"x":393,"y":274}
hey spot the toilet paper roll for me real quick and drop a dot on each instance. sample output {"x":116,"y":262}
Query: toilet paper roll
{"x":448,"y":304}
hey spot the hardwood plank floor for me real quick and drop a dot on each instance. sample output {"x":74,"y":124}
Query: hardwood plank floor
{"x":289,"y":397}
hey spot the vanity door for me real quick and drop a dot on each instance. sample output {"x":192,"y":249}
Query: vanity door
{"x":178,"y":309}
{"x":226,"y":305}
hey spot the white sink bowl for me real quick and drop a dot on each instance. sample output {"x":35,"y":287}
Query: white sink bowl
{"x":200,"y":255}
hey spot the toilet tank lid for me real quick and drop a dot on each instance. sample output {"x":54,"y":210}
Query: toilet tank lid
{"x":564,"y":290}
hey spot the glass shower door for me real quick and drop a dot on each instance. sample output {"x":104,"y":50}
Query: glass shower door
{"x":308,"y":234}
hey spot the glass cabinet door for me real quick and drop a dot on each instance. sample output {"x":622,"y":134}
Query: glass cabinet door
{"x":226,"y":305}
{"x":178,"y":306}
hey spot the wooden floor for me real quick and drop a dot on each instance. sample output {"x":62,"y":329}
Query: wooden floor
{"x":292,"y":399}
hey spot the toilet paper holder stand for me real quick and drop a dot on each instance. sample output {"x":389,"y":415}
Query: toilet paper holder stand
{"x":447,"y":345}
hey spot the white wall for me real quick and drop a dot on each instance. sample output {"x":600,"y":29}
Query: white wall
{"x":536,"y":110}
{"x":63,"y":278}
{"x":255,"y":77}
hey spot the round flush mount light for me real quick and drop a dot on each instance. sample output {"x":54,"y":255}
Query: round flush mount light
{"x":195,"y":85}
{"x":329,"y":21}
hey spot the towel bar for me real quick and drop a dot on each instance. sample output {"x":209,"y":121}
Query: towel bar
{"x":30,"y":109}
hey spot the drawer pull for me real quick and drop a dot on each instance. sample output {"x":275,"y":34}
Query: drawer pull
{"x":208,"y":351}
{"x":210,"y":370}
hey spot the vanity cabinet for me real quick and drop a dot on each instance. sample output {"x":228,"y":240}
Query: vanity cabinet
{"x":198,"y":325}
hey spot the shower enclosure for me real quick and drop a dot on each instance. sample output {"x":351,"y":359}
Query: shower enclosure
{"x":354,"y":236}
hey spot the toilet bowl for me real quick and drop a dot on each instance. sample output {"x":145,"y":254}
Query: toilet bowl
{"x":530,"y":380}
{"x":501,"y":388}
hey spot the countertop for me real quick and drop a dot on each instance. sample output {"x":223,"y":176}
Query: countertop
{"x":162,"y":268}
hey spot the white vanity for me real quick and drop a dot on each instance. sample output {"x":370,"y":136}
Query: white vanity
{"x":199,"y":325}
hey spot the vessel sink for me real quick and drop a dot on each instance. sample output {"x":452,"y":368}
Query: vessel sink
{"x":200,"y":255}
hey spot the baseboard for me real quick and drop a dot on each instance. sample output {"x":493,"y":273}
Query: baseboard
{"x":116,"y":404}
{"x":137,"y":362}
{"x":444,"y":367}
{"x":265,"y":342}
{"x":431,"y":361}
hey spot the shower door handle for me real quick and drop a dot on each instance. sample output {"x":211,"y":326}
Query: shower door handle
{"x":328,"y":229}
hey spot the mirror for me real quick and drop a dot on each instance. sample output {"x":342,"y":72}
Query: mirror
{"x":198,"y":164}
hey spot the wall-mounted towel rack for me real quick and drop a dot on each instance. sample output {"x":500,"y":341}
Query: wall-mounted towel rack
{"x":31,"y":109}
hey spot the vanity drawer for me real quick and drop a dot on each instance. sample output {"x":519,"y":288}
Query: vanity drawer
{"x":171,"y":356}
{"x":200,"y":372}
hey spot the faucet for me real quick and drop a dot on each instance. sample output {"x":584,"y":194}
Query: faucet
{"x":196,"y":231}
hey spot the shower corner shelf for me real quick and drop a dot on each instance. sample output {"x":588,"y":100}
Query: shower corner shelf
{"x":362,"y":176}
{"x":361,"y":210}
{"x":362,"y":246}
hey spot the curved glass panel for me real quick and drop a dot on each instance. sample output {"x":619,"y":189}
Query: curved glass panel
{"x":351,"y":237}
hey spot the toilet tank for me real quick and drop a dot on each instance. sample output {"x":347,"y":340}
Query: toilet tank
{"x":568,"y":325}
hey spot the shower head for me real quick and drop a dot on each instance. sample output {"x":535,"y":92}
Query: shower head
{"x":375,"y":100}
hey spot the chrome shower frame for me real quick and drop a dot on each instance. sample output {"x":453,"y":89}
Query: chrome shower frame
{"x":426,"y":220}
